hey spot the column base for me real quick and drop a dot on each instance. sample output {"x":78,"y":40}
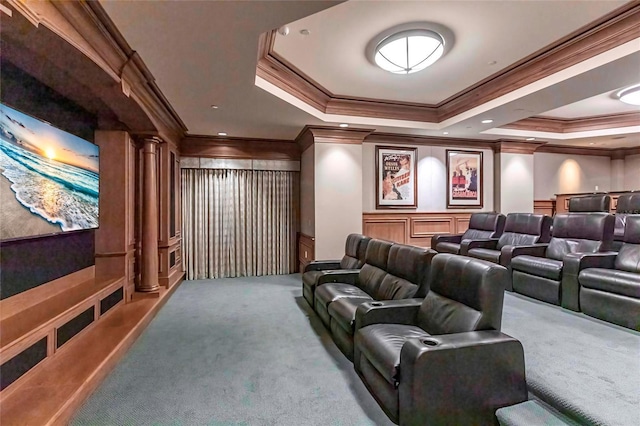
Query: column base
{"x":155,"y":294}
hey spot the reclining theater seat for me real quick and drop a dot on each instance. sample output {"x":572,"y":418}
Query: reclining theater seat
{"x":611,"y":291}
{"x":354,"y":252}
{"x":627,"y":204}
{"x":481,"y":226}
{"x":541,"y":275}
{"x":407,"y":274}
{"x":520,"y":229}
{"x":590,"y":204}
{"x":442,"y":360}
{"x":348,"y":283}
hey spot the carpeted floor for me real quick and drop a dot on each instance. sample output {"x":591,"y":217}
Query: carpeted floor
{"x":242,"y":351}
{"x":584,"y":367}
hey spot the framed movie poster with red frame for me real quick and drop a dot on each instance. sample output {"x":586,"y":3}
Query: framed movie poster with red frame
{"x":396,"y":177}
{"x":464,"y":179}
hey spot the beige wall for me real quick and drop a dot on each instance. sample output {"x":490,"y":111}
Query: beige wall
{"x":566,"y":174}
{"x":307,"y":198}
{"x":338,"y":197}
{"x":617,"y":175}
{"x":632,"y":172}
{"x":514,"y":183}
{"x":432,"y":172}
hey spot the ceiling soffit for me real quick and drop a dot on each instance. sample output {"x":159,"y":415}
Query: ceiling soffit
{"x":611,"y":31}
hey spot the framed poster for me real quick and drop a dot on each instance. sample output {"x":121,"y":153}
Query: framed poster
{"x":464,"y":179}
{"x":396,"y":177}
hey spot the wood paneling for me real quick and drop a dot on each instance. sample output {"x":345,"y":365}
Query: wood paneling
{"x":413,"y":228}
{"x":547,"y":207}
{"x":517,"y":147}
{"x":306,"y":250}
{"x":239,"y":148}
{"x":394,"y":138}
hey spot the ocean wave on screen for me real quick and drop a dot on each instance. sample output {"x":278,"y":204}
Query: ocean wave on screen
{"x":49,"y":198}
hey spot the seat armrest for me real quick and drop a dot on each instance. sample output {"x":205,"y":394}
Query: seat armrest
{"x":572,"y":264}
{"x":441,"y":382}
{"x":347,"y":276}
{"x":402,"y":311}
{"x":446,"y":238}
{"x":538,"y":250}
{"x":322,"y":265}
{"x":487,"y":243}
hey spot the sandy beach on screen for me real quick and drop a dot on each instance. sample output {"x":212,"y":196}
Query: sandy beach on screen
{"x":16,"y":220}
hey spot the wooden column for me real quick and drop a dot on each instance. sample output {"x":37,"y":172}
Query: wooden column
{"x":149,"y":225}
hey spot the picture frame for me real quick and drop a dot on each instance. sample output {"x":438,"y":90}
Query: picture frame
{"x":396,"y":178}
{"x":464,"y":179}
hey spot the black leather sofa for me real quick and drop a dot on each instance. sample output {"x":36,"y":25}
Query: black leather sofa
{"x":627,"y":204}
{"x":520,"y":229}
{"x":390,"y":272}
{"x":610,"y":282}
{"x":323,"y":271}
{"x":442,"y":360}
{"x":481,"y":226}
{"x":541,"y":271}
{"x":590,"y":203}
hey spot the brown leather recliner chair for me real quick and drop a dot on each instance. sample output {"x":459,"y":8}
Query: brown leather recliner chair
{"x":520,"y":229}
{"x":541,"y":273}
{"x":442,"y":360}
{"x":627,"y":204}
{"x":319,"y":272}
{"x":610,"y":283}
{"x":481,"y":226}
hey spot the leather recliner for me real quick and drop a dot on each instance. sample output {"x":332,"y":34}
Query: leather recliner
{"x":520,"y":229}
{"x":481,"y":226}
{"x":318,"y":272}
{"x":627,"y":204}
{"x":610,"y":283}
{"x":542,"y":273}
{"x":442,"y":360}
{"x":590,"y":203}
{"x":407,"y":274}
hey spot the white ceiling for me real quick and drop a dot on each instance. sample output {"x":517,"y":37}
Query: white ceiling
{"x":603,"y":104}
{"x":333,"y":54}
{"x":205,"y":52}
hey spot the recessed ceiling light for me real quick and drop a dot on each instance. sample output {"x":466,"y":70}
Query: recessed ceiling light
{"x":630,"y":95}
{"x":487,"y":121}
{"x":214,"y":106}
{"x":592,"y":143}
{"x":445,"y":133}
{"x":344,"y":125}
{"x":283,"y":30}
{"x":305,"y":32}
{"x":492,"y":63}
{"x":531,"y":139}
{"x":222,"y":133}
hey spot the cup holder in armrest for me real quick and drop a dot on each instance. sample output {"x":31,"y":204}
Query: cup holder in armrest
{"x":430,"y":342}
{"x":376,"y":303}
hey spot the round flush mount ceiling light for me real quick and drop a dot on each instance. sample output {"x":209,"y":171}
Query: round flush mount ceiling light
{"x":409,"y":48}
{"x":409,"y":51}
{"x":630,"y":95}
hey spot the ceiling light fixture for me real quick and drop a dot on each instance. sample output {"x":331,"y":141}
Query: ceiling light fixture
{"x":630,"y":95}
{"x":531,"y":139}
{"x":222,"y":133}
{"x":445,"y":133}
{"x":305,"y":32}
{"x":344,"y":125}
{"x":409,"y":51}
{"x":214,"y":107}
{"x":487,"y":121}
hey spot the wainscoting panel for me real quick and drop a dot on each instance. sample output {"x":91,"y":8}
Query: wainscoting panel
{"x":306,"y":250}
{"x":413,"y":228}
{"x":547,"y":207}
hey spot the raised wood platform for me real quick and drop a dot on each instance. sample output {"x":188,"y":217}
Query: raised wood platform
{"x":58,"y":340}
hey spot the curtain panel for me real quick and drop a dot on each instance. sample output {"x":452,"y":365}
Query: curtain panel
{"x":237,"y":223}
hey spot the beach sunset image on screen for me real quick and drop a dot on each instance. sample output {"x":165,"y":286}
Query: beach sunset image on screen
{"x":49,"y":178}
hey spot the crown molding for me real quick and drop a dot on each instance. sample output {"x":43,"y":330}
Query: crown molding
{"x":504,"y":146}
{"x":613,"y":153}
{"x":310,"y":135}
{"x":394,"y":138}
{"x":563,"y":125}
{"x":612,"y":30}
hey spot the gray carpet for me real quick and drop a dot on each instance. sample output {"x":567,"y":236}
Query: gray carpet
{"x":584,"y":367}
{"x":241,"y":351}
